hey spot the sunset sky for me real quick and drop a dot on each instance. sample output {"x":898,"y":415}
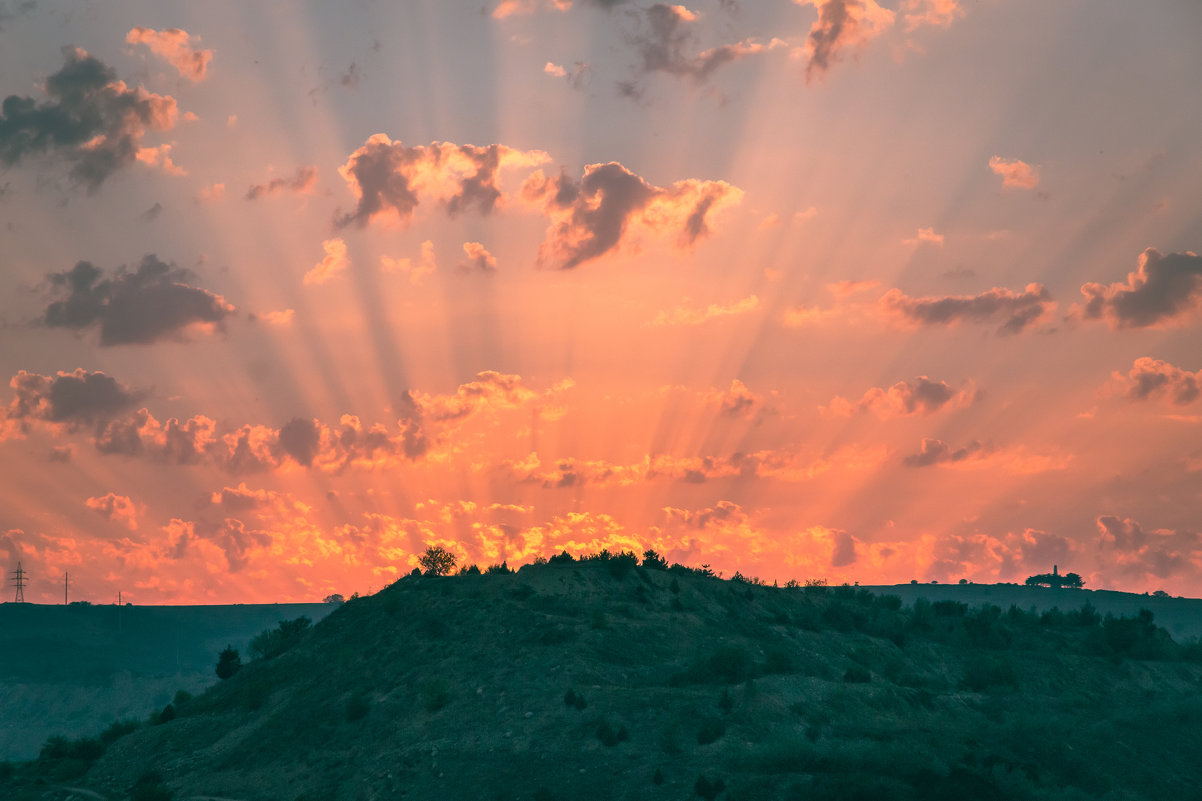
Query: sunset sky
{"x":799,"y":288}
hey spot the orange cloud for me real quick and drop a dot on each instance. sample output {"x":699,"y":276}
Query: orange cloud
{"x":1015,"y":173}
{"x":116,"y":509}
{"x":689,"y":314}
{"x":925,"y":235}
{"x":160,"y":157}
{"x":418,"y":271}
{"x":509,"y":8}
{"x":479,"y":260}
{"x":1016,"y":311}
{"x":906,"y":398}
{"x":175,"y":47}
{"x":609,"y":204}
{"x":938,"y":13}
{"x":390,"y":180}
{"x":335,"y":262}
{"x":1152,"y":378}
{"x":976,"y":455}
{"x":841,"y":24}
{"x":303,"y":182}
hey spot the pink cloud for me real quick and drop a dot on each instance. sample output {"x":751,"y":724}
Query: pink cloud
{"x":335,"y":262}
{"x":175,"y":46}
{"x":1015,"y":172}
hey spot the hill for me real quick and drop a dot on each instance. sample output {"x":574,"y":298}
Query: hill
{"x":1181,"y":617}
{"x":77,"y":668}
{"x":609,"y":681}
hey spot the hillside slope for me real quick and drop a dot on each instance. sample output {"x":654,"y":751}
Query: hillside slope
{"x":606,"y":681}
{"x":75,"y":669}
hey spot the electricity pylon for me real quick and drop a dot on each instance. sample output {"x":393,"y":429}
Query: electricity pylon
{"x":18,"y":579}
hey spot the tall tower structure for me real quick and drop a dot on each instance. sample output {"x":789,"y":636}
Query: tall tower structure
{"x":18,"y":579}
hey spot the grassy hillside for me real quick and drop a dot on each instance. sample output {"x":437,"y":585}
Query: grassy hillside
{"x":608,"y":681}
{"x":78,"y":668}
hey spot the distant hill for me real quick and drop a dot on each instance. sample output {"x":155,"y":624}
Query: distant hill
{"x":1182,"y":617}
{"x":603,"y":680}
{"x":78,"y":668}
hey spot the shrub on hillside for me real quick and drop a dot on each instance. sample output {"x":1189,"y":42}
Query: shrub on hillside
{"x":228,"y":663}
{"x":357,"y":707}
{"x":150,"y":787}
{"x":609,"y":736}
{"x":708,"y":788}
{"x":273,"y":642}
{"x":116,"y":730}
{"x":711,"y":730}
{"x":575,"y":700}
{"x":497,"y":570}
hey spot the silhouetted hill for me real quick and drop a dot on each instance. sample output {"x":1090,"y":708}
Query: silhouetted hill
{"x":77,"y":668}
{"x":606,"y":681}
{"x":1182,"y":617}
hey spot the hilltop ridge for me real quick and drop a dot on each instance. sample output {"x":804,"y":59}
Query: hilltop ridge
{"x":610,"y":681}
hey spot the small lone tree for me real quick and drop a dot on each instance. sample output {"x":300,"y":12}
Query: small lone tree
{"x":228,"y":663}
{"x":437,"y":561}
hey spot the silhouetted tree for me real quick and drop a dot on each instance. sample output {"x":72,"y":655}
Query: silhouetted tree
{"x":653,"y":561}
{"x":437,"y":561}
{"x":228,"y":663}
{"x":336,"y":598}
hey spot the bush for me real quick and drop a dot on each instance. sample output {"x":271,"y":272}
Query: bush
{"x":357,"y":707}
{"x":434,"y":695}
{"x":150,"y":787}
{"x":228,"y":663}
{"x":610,"y":737}
{"x":273,"y":642}
{"x":857,"y":675}
{"x":708,"y":788}
{"x":497,"y":570}
{"x":575,"y":700}
{"x":116,"y":730}
{"x":437,"y":561}
{"x":166,"y":716}
{"x":564,"y":558}
{"x":710,"y":731}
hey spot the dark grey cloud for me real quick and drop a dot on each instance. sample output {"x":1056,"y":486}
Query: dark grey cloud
{"x":152,"y":213}
{"x":73,"y":399}
{"x":91,"y":120}
{"x":936,"y":451}
{"x":303,"y":180}
{"x":844,"y":552}
{"x":592,"y":215}
{"x":12,"y":11}
{"x":150,"y":304}
{"x":1165,"y":289}
{"x":392,"y":179}
{"x":665,"y":43}
{"x":1016,"y":311}
{"x":1136,"y":551}
{"x":300,"y":439}
{"x":1153,"y":378}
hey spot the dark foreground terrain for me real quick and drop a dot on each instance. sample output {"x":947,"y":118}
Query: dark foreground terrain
{"x":75,"y":669}
{"x":607,"y":680}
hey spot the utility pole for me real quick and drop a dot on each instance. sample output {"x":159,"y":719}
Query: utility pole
{"x":19,"y":578}
{"x":66,"y":584}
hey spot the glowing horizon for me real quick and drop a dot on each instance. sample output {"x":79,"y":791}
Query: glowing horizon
{"x":830,"y":289}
